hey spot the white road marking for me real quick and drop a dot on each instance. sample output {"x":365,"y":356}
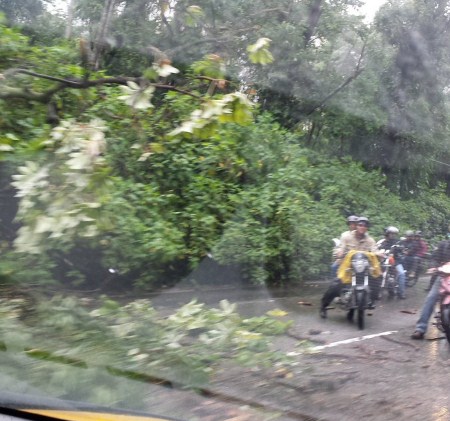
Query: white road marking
{"x":349,"y":341}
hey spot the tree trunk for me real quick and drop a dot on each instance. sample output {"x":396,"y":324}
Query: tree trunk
{"x":105,"y":22}
{"x":313,"y":20}
{"x":70,"y":15}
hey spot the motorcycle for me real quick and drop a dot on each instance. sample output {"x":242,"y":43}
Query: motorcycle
{"x":413,"y":277}
{"x":421,"y":266}
{"x":356,"y":295}
{"x":389,"y":280}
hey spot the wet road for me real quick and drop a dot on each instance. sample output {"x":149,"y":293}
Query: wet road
{"x":345,"y":374}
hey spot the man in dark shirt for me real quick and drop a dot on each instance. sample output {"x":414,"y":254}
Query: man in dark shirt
{"x":410,"y":249}
{"x":422,"y":245}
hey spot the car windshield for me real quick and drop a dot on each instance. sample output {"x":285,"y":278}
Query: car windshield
{"x":225,"y":210}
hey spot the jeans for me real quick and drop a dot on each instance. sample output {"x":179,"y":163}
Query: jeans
{"x":432,"y":280}
{"x":401,"y":279}
{"x":428,"y":307}
{"x":334,"y":269}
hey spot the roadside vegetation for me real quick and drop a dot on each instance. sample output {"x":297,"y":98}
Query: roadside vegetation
{"x":148,"y":158}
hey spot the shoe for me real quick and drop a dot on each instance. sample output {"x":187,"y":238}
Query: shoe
{"x":350,"y":315}
{"x":417,"y":335}
{"x":371,"y":306}
{"x":402,"y":297}
{"x":323,"y":313}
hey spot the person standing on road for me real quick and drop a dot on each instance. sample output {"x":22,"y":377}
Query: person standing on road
{"x":357,"y":240}
{"x":441,"y":255}
{"x":435,"y":275}
{"x":423,"y":246}
{"x":411,"y":247}
{"x":352,"y":221}
{"x":422,"y":252}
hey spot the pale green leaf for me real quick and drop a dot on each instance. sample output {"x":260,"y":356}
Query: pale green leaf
{"x":277,"y":313}
{"x":165,"y":69}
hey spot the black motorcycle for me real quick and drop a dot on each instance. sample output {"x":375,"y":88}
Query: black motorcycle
{"x":413,"y":276}
{"x":356,"y":295}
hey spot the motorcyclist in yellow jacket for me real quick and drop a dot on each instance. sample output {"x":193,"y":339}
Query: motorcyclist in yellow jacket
{"x":358,"y":240}
{"x":351,"y":221}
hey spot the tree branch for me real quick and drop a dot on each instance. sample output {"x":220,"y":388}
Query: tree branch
{"x":165,"y":21}
{"x":211,"y":79}
{"x":13,"y":72}
{"x":45,"y":97}
{"x":337,"y":90}
{"x":356,"y":73}
{"x":175,"y":89}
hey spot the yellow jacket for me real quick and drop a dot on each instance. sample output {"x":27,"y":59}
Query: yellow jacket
{"x":345,"y":275}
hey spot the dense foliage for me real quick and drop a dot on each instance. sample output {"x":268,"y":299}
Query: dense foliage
{"x":249,"y":140}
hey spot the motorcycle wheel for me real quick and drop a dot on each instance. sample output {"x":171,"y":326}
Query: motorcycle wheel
{"x":360,"y":310}
{"x":412,"y":280}
{"x":445,"y":320}
{"x":391,"y":286}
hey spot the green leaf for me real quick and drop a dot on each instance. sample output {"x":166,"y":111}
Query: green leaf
{"x":212,"y":66}
{"x":136,"y":97}
{"x":194,"y":15}
{"x":164,"y":69}
{"x":259,"y":52}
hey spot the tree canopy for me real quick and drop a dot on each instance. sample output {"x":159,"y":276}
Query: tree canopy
{"x":147,"y":135}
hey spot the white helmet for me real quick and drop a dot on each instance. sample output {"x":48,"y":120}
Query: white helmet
{"x":391,"y":230}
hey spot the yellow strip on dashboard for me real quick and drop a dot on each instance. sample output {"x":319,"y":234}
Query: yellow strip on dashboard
{"x":91,"y":416}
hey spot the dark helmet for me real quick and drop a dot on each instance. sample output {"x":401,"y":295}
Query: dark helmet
{"x":363,"y":220}
{"x":391,"y":230}
{"x":352,"y":218}
{"x":409,"y":233}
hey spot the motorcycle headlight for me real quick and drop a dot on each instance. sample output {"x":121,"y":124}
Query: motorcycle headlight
{"x":360,"y":263}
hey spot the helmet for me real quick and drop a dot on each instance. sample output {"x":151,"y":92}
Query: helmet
{"x":409,"y":233}
{"x":391,"y":230}
{"x":352,"y":218}
{"x":418,"y":233}
{"x":363,"y":220}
